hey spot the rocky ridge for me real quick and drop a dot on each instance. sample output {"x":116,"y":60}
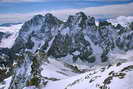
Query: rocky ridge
{"x":76,"y":40}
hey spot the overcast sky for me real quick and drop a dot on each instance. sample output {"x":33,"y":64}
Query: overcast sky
{"x":12,"y":11}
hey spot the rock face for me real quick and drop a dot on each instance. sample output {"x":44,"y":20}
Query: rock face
{"x":37,"y":32}
{"x":21,"y":72}
{"x":27,"y":71}
{"x":6,"y":63}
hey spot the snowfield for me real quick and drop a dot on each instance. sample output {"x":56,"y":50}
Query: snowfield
{"x":6,"y":83}
{"x":97,"y":78}
{"x":123,"y":56}
{"x":60,"y":75}
{"x":56,"y":69}
{"x":13,"y":30}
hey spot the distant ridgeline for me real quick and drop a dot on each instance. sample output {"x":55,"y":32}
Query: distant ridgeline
{"x":8,"y":24}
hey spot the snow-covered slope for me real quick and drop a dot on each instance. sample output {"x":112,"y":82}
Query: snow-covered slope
{"x":56,"y":69}
{"x":9,"y":41}
{"x":111,"y":77}
{"x":116,"y":76}
{"x":6,"y":83}
{"x":117,"y":56}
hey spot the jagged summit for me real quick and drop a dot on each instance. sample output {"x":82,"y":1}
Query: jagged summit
{"x":39,"y":28}
{"x":81,"y":14}
{"x":49,"y":15}
{"x":37,"y":19}
{"x":70,"y":20}
{"x":40,"y":20}
{"x":50,"y":19}
{"x":81,"y":19}
{"x":78,"y":34}
{"x":39,"y":16}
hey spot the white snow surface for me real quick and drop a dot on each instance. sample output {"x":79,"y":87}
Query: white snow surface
{"x":30,"y":87}
{"x":65,"y":31}
{"x":6,"y":83}
{"x":116,"y":56}
{"x":56,"y":69}
{"x":50,"y":44}
{"x":97,"y":23}
{"x":98,"y":73}
{"x":8,"y":42}
{"x":82,"y":81}
{"x":76,"y":53}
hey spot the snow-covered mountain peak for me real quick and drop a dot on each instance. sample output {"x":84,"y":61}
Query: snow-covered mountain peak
{"x":49,"y":15}
{"x":81,"y":15}
{"x":37,"y":31}
{"x":51,"y":21}
{"x":81,"y":19}
{"x":37,"y":19}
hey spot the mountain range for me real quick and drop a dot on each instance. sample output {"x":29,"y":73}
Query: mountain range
{"x":49,"y":53}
